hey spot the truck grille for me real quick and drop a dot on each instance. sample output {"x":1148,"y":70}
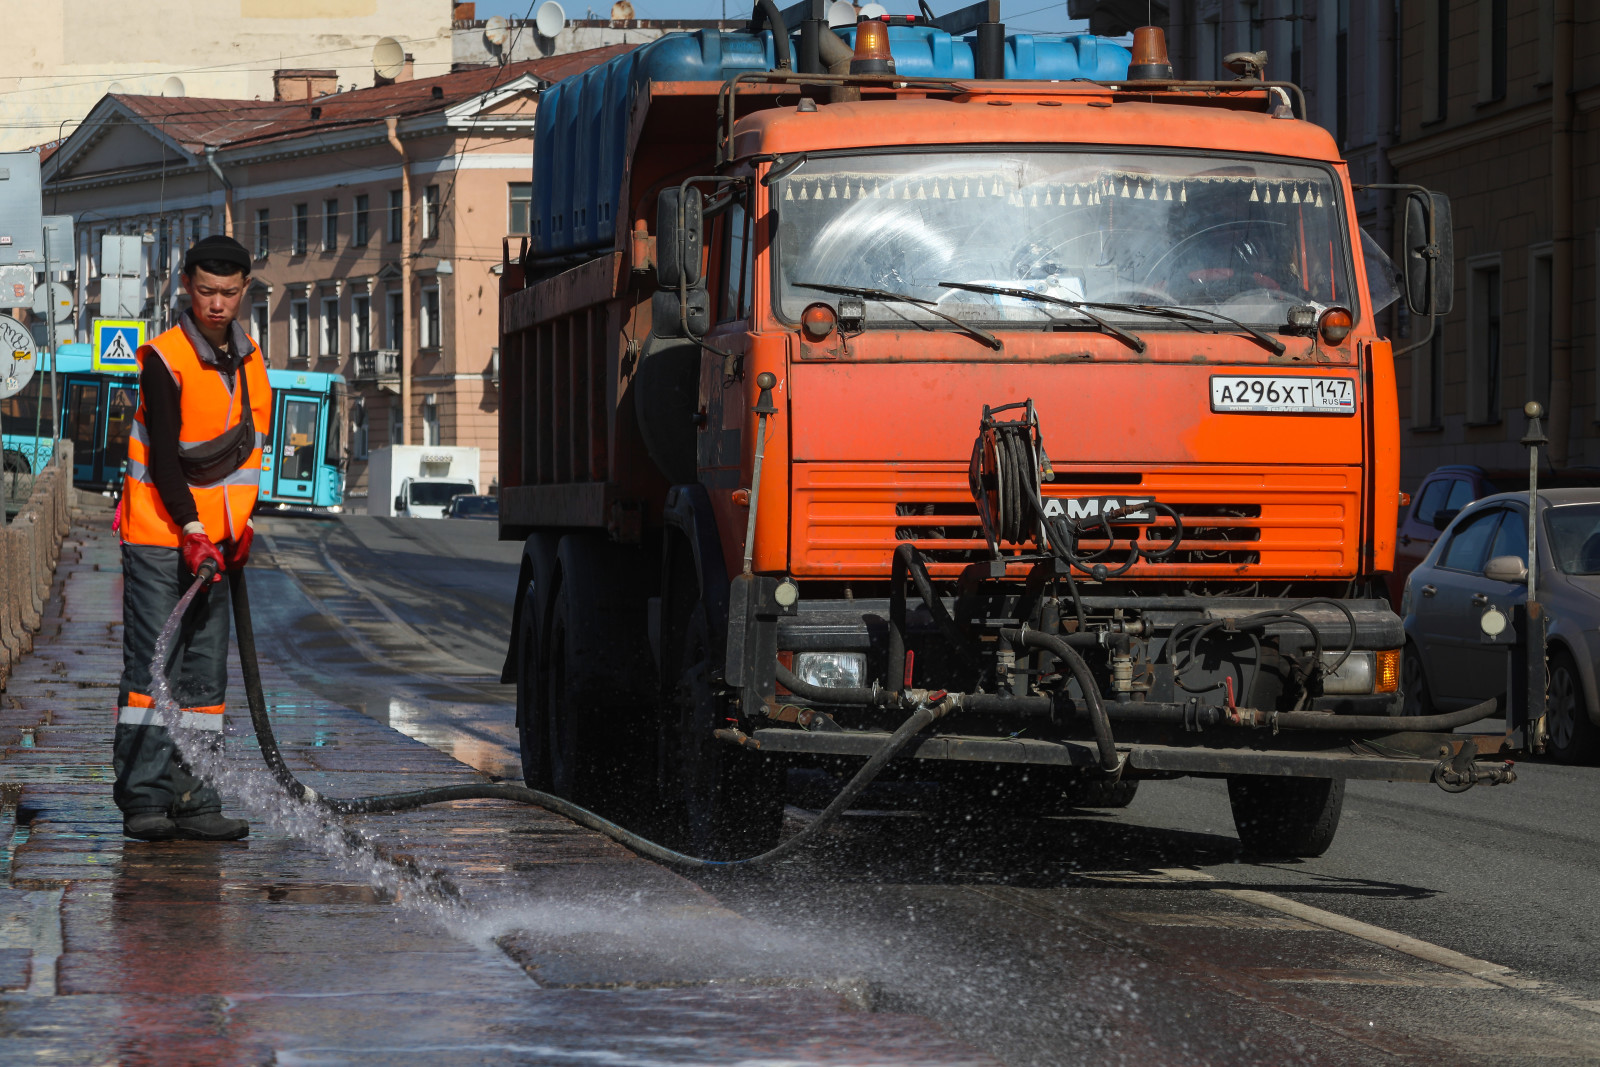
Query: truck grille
{"x":1298,"y":522}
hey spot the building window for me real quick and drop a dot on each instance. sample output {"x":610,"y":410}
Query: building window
{"x":1208,"y":50}
{"x":263,"y":233}
{"x":1436,"y":61}
{"x":1483,"y":353}
{"x":393,"y":319}
{"x":1341,"y":74}
{"x":1491,"y":50}
{"x":396,"y":207}
{"x":195,"y":226}
{"x":330,"y":225}
{"x":302,"y":217}
{"x":358,"y":430}
{"x":521,"y":205}
{"x":430,"y":212}
{"x":1427,"y":379}
{"x":396,"y":433}
{"x":299,"y":330}
{"x":430,"y":318}
{"x":260,"y":325}
{"x":330,"y":326}
{"x":360,"y":322}
{"x":430,"y":420}
{"x":164,"y":246}
{"x":359,"y":233}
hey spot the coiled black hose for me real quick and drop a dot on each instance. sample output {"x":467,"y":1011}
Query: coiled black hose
{"x":920,"y":719}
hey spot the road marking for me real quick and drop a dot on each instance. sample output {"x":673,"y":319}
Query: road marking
{"x":1415,"y":979}
{"x":1493,"y":973}
{"x":1215,"y":920}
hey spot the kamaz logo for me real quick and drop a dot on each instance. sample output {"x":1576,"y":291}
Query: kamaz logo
{"x":1127,"y":509}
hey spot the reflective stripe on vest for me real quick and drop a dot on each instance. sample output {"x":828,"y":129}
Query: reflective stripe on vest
{"x":208,"y":408}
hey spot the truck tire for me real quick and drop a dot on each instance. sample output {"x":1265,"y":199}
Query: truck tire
{"x":1416,"y":699}
{"x":524,"y":666}
{"x":1280,"y":817}
{"x":1570,"y":735}
{"x":596,"y":681}
{"x":717,"y":800}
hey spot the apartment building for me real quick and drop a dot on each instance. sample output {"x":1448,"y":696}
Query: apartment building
{"x":376,"y":218}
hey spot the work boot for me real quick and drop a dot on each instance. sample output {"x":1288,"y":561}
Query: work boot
{"x":149,"y":826}
{"x":212,"y":826}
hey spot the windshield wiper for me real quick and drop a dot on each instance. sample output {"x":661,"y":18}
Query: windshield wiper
{"x":1192,"y":314}
{"x":901,"y":298}
{"x":1131,"y":340}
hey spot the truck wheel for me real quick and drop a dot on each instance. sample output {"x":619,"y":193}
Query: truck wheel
{"x":531,"y":724}
{"x":596,"y":681}
{"x":1570,"y":736}
{"x":1285,"y":817}
{"x":718,"y":801}
{"x":1414,"y":683}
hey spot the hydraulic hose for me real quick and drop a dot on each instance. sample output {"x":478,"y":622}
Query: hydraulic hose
{"x":920,"y":719}
{"x":1110,"y":762}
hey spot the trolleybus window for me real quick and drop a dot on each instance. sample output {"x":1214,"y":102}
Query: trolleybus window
{"x":299,"y":459}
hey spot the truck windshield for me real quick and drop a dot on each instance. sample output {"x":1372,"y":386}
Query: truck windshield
{"x":437,"y":494}
{"x":1246,"y":238}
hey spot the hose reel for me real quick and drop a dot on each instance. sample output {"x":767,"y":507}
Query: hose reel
{"x":1006,"y":474}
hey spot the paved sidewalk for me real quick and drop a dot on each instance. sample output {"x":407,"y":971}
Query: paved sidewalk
{"x":566,"y":948}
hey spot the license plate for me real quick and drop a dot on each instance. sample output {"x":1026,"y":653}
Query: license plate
{"x":1283,"y":396}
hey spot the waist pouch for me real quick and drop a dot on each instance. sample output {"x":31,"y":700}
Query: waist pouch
{"x":213,"y":460}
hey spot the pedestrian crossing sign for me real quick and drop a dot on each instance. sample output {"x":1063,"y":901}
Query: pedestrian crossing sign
{"x":115,"y":342}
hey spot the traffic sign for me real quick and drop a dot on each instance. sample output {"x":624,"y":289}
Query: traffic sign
{"x":16,"y":357}
{"x":53,"y":298}
{"x":16,"y":286}
{"x":115,"y":342}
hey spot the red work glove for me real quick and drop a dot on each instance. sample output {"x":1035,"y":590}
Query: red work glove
{"x":239,"y":548}
{"x":196,"y":549}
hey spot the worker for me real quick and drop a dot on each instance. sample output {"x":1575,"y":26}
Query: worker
{"x":194,"y":469}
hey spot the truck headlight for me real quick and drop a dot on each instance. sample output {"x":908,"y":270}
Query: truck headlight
{"x":834,"y":670}
{"x":1354,"y":675}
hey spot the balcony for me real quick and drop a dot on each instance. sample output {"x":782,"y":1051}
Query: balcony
{"x":379,"y":368}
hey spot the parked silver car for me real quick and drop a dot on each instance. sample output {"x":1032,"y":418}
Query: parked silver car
{"x":1481,"y":560}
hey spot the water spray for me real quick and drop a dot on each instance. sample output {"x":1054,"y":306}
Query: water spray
{"x":305,"y":816}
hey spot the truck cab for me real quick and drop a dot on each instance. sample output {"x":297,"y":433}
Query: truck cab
{"x":998,"y":382}
{"x":427,"y":498}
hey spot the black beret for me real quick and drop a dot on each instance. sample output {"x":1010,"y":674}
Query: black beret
{"x":218,"y":248}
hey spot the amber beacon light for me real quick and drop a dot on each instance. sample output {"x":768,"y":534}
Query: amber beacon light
{"x":872,"y":49}
{"x":1149,"y":61}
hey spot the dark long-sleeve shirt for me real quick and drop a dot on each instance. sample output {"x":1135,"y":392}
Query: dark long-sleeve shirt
{"x":163,"y":416}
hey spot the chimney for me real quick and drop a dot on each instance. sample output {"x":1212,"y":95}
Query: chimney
{"x":406,"y":71}
{"x":465,"y":13}
{"x":303,"y":83}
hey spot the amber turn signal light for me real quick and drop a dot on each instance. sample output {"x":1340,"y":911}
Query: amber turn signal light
{"x":1387,"y":677}
{"x":1335,"y":325}
{"x":872,"y":55}
{"x":817,"y":322}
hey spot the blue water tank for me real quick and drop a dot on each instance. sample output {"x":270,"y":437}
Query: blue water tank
{"x":580,"y":134}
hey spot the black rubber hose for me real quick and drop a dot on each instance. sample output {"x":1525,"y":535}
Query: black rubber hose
{"x":245,"y":635}
{"x":767,"y":10}
{"x":1322,"y":720}
{"x":1110,"y":762}
{"x":827,"y":694}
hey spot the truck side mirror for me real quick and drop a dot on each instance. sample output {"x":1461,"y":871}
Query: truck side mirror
{"x":680,"y":245}
{"x":1430,"y":264}
{"x":400,"y":502}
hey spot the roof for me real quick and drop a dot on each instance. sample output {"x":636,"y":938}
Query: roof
{"x":200,"y":122}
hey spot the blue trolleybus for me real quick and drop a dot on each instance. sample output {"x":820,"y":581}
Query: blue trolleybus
{"x":303,"y":464}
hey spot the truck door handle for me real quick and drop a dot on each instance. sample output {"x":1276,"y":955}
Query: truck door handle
{"x":1428,"y":590}
{"x":1480,"y":599}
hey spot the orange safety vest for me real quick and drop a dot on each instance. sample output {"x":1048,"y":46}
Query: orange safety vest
{"x":207,"y":410}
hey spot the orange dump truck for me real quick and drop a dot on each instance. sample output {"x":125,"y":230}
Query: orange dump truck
{"x":853,"y":373}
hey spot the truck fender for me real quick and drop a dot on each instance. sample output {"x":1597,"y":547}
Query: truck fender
{"x":688,"y":511}
{"x":533,"y":587}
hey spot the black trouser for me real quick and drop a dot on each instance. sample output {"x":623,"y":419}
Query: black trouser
{"x":151,"y":777}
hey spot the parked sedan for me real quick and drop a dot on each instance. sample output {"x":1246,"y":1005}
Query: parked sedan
{"x":473,"y":506}
{"x":1481,"y":561}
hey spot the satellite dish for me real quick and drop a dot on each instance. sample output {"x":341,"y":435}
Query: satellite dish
{"x":874,"y":11}
{"x":841,"y":13}
{"x":173,"y":86}
{"x":621,"y":11}
{"x":550,"y":19}
{"x":388,"y":58}
{"x":494,"y":30}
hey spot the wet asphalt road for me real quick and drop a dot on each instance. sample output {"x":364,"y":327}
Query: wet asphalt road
{"x":1437,"y":927}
